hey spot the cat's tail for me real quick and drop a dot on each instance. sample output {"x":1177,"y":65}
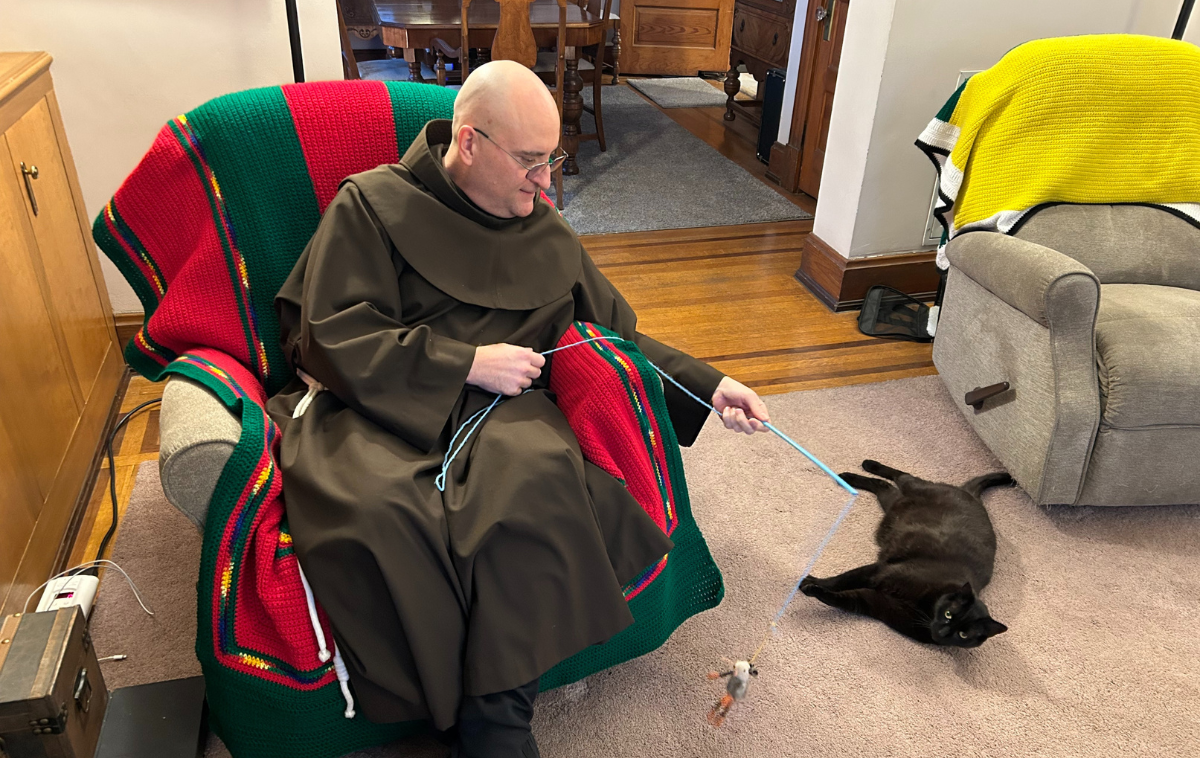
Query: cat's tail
{"x":980,"y":483}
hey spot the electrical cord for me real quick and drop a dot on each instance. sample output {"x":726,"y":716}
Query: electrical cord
{"x":112,"y":485}
{"x":90,"y":565}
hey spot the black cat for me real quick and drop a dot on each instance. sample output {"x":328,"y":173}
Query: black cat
{"x":936,"y":550}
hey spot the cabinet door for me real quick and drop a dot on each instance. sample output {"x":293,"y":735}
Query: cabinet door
{"x":64,"y":250}
{"x":37,"y":403}
{"x":19,"y":504}
{"x":679,"y":37}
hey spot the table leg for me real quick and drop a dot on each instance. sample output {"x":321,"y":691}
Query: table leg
{"x":616,"y":53}
{"x":572,"y":110}
{"x":441,"y":69}
{"x":733,"y":85}
{"x":414,"y":66}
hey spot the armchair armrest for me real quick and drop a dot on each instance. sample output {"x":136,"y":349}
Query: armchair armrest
{"x":197,"y":434}
{"x":1022,"y":313}
{"x":1040,"y":282}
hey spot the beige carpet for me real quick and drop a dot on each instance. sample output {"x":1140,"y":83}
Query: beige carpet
{"x":1102,"y":657}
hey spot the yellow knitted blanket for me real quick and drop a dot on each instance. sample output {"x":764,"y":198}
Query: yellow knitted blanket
{"x":1111,"y":118}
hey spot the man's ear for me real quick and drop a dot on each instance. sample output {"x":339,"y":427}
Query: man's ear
{"x":467,"y":141}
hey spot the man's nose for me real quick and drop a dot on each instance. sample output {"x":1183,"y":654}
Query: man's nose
{"x":542,"y":179}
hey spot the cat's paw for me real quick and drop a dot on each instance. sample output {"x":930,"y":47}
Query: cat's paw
{"x":860,"y":482}
{"x":810,"y":587}
{"x":873,"y":467}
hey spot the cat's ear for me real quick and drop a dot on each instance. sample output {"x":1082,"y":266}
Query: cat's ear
{"x":966,"y":593}
{"x":990,"y":627}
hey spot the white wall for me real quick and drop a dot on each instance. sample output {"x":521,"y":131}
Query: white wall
{"x":123,"y":68}
{"x":876,"y":185}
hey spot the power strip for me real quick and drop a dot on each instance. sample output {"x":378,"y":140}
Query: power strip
{"x":66,"y":591}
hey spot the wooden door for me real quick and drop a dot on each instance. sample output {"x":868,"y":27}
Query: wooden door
{"x":72,"y":284}
{"x":42,"y":422}
{"x":824,"y":29}
{"x":677,"y":37}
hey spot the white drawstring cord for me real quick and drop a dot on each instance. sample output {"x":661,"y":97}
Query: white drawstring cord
{"x":313,"y":388}
{"x":339,"y":666}
{"x":343,"y":678}
{"x":312,"y":617}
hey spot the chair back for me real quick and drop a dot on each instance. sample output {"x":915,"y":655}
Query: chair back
{"x":211,"y":222}
{"x":1121,"y":244}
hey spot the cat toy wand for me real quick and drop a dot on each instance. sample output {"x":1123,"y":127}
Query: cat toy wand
{"x":739,"y":677}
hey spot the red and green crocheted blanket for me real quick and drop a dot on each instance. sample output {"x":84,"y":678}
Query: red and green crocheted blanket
{"x":206,"y":229}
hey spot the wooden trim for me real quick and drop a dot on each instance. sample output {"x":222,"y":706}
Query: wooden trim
{"x":784,"y":168}
{"x":804,"y":75}
{"x":27,"y":83}
{"x":127,"y":325}
{"x":67,"y":546}
{"x":841,"y":283}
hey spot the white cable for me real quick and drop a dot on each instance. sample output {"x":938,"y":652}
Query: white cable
{"x":343,"y":678}
{"x":84,"y":567}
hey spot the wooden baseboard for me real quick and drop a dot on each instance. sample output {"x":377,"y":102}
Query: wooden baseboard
{"x":784,"y":168}
{"x":127,"y":326}
{"x":842,"y":283}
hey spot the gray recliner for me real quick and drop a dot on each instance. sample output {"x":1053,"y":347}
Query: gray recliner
{"x":1092,"y":314}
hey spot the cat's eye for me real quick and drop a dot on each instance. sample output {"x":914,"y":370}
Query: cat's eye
{"x":949,"y":614}
{"x":963,"y":635}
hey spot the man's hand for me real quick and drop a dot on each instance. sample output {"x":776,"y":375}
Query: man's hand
{"x":741,"y":408}
{"x":505,"y":369}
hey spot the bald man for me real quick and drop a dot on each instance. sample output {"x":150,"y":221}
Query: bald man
{"x":430,"y":287}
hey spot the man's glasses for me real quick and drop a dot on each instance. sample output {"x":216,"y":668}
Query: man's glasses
{"x":556,"y":158}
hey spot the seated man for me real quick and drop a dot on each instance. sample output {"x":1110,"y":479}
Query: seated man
{"x":429,"y":287}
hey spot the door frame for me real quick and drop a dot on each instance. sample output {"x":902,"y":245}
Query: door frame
{"x":784,"y":166}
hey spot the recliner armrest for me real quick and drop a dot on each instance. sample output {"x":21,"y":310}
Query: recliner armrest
{"x":1031,"y":278}
{"x":197,"y":434}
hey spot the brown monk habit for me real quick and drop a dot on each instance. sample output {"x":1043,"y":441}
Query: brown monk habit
{"x":520,"y":562}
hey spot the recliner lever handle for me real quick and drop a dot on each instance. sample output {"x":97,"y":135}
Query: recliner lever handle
{"x":976,"y":396}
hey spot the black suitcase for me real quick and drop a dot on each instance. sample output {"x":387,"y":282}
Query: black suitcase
{"x":52,"y":697}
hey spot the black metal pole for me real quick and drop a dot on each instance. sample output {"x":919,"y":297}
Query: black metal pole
{"x":1181,"y":24}
{"x":294,"y":37}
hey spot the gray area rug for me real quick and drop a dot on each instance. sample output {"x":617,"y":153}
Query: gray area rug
{"x":1101,"y":658}
{"x":658,"y":175}
{"x":681,"y":92}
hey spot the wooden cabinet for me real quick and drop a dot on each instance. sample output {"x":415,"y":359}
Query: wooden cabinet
{"x":762,"y":34}
{"x":674,"y":37}
{"x":60,"y":366}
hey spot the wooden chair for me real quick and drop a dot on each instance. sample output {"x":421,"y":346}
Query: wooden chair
{"x":595,"y":57}
{"x":591,"y":58}
{"x":349,"y":64}
{"x":514,"y":41}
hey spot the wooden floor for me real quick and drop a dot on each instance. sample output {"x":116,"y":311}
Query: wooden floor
{"x":726,"y":295}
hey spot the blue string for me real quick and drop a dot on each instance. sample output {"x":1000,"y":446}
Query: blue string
{"x":813,"y":560}
{"x":449,"y":457}
{"x":475,"y":420}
